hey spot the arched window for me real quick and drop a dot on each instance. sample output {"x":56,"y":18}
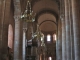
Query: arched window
{"x":48,"y":37}
{"x":50,"y":58}
{"x":10,"y":36}
{"x":54,"y":37}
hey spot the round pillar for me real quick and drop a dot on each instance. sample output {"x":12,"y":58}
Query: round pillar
{"x":63,"y":30}
{"x":67,"y":25}
{"x":71,"y":30}
{"x":17,"y":40}
{"x":24,"y":45}
{"x":59,"y":42}
{"x":76,"y":27}
{"x":63,"y":41}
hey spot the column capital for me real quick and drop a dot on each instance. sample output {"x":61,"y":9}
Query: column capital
{"x":17,"y":17}
{"x":62,"y":17}
{"x":25,"y":29}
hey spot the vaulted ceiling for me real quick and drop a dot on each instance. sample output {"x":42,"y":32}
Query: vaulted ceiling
{"x":46,"y":11}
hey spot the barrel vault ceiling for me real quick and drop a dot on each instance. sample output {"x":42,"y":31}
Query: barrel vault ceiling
{"x":46,"y":13}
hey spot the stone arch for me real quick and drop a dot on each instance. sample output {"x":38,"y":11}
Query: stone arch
{"x":46,"y":11}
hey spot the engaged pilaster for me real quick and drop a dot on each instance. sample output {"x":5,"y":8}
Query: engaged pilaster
{"x":67,"y":25}
{"x":62,"y":13}
{"x":76,"y":27}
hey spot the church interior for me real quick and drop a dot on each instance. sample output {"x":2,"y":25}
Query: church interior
{"x":39,"y":29}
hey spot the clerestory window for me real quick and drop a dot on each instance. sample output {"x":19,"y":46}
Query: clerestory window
{"x":48,"y":37}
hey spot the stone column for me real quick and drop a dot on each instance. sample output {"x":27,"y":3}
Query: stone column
{"x":24,"y":45}
{"x":63,"y":41}
{"x":63,"y":30}
{"x":18,"y":31}
{"x":76,"y":27}
{"x":71,"y":31}
{"x":67,"y":25}
{"x":59,"y":38}
{"x":17,"y":40}
{"x":59,"y":50}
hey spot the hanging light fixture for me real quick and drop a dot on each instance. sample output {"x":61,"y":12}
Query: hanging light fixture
{"x":38,"y":33}
{"x":28,"y":16}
